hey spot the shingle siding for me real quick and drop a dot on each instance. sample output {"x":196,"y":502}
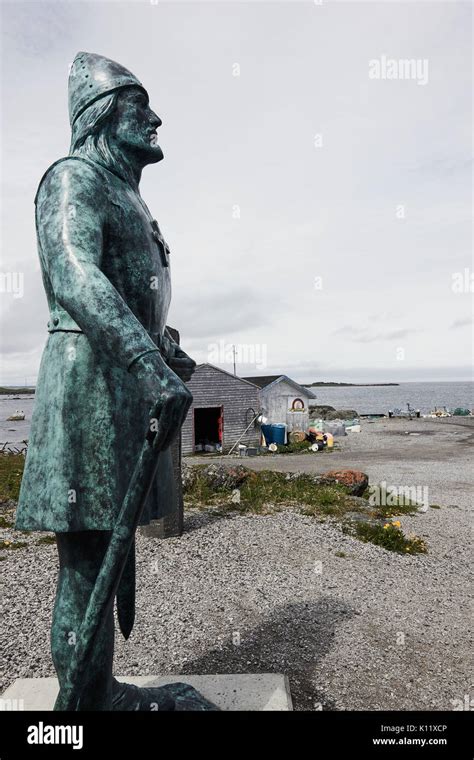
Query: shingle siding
{"x":213,"y":387}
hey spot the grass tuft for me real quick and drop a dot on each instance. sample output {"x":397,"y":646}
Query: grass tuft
{"x":388,"y":536}
{"x":391,"y":504}
{"x":11,"y":473}
{"x":298,"y":447}
{"x":265,"y":492}
{"x":12,"y":544}
{"x":46,"y":540}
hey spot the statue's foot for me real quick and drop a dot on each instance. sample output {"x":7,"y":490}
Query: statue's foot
{"x":127,"y":697}
{"x":169,"y":698}
{"x":186,"y":697}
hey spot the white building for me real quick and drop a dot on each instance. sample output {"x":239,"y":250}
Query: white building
{"x":282,"y":400}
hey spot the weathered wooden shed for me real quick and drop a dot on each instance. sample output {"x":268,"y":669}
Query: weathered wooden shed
{"x":282,"y":400}
{"x":223,"y":406}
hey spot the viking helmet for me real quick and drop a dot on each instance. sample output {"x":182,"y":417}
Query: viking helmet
{"x":91,"y":76}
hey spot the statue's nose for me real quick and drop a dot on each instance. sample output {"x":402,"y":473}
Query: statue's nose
{"x":155,"y":120}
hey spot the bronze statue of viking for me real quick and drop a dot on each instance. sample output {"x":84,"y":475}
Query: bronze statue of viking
{"x":111,"y":391}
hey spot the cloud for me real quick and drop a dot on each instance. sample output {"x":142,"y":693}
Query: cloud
{"x":249,"y":142}
{"x":35,"y":29}
{"x":461,"y":322}
{"x":24,"y":320}
{"x":210,"y":315}
{"x":443,"y":167}
{"x":348,"y":330}
{"x":365,"y":334}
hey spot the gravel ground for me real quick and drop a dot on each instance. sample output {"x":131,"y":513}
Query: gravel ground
{"x":373,"y":630}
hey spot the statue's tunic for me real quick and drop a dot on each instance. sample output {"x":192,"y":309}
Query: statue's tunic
{"x":107,"y":279}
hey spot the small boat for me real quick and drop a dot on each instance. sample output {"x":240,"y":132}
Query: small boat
{"x":410,"y":412}
{"x":17,"y":417}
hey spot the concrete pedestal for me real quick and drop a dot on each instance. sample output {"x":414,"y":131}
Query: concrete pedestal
{"x":241,"y":691}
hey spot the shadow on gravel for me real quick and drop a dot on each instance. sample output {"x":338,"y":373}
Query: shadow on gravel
{"x":292,"y":640}
{"x":195,"y":520}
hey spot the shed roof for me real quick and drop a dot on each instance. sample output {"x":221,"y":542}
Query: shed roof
{"x":224,"y":372}
{"x":264,"y":381}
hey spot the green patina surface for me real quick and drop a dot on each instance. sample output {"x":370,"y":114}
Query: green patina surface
{"x":108,"y":362}
{"x":90,"y":417}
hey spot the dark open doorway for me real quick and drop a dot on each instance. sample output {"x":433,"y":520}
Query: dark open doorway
{"x":208,"y":428}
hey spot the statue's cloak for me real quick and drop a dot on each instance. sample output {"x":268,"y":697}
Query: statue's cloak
{"x":107,"y":279}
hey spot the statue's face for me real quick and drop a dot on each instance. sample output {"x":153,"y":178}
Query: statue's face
{"x":134,"y":127}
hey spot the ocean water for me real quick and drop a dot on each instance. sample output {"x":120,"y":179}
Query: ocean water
{"x":379,"y":399}
{"x":364,"y":399}
{"x":15,"y":432}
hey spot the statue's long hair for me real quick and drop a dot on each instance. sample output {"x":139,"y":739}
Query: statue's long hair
{"x":91,"y":130}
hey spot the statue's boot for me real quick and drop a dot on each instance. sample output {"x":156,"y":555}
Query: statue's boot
{"x":169,"y":698}
{"x":186,"y":697}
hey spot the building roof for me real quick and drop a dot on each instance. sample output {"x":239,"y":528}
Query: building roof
{"x":224,"y":372}
{"x":264,"y":381}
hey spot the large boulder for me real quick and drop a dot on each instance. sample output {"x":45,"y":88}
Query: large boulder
{"x":319,"y":411}
{"x":219,"y":477}
{"x":355,"y":481}
{"x":342,"y":414}
{"x":188,"y":476}
{"x":222,"y":477}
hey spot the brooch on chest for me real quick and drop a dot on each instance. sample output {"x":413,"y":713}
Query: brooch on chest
{"x":160,"y":242}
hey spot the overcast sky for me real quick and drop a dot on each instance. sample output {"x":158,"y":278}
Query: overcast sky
{"x":317,"y":217}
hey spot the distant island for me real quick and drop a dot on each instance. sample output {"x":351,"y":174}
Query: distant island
{"x":14,"y":391}
{"x":345,"y":385}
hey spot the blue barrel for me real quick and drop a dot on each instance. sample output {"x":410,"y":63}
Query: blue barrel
{"x":279,"y":433}
{"x":268,"y":433}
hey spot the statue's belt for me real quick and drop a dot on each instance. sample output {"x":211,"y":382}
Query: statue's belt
{"x":62,"y":322}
